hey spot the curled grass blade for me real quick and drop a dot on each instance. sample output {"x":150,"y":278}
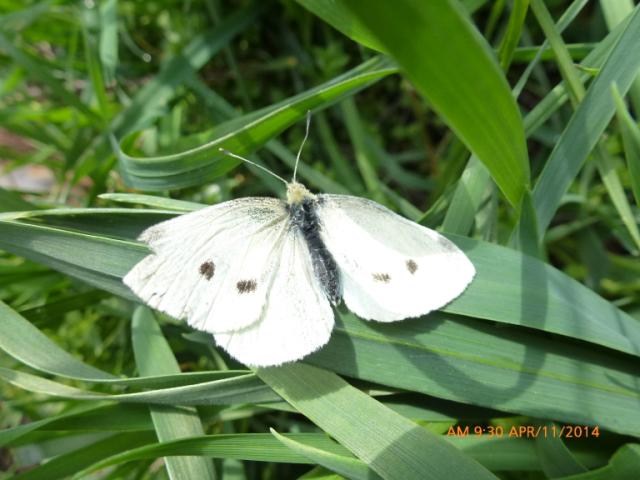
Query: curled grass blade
{"x":199,"y":159}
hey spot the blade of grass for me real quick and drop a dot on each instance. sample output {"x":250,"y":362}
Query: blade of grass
{"x":228,"y":391}
{"x":200,"y":159}
{"x":615,"y":12}
{"x":587,"y":124}
{"x":347,"y":466}
{"x":108,"y":43}
{"x":418,"y":36}
{"x":577,"y":94}
{"x":392,"y":446}
{"x":154,"y":357}
{"x":511,"y":369}
{"x":511,"y":37}
{"x":631,"y":141}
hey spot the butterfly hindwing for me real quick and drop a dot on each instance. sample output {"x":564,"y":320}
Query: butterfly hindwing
{"x":213,"y":266}
{"x":390,"y":268}
{"x":297,"y":319}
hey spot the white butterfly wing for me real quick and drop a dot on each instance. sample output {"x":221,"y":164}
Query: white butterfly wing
{"x":390,"y":268}
{"x":213,"y":266}
{"x":297,"y":318}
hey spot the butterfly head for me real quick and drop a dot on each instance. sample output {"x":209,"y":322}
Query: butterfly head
{"x":296,"y":193}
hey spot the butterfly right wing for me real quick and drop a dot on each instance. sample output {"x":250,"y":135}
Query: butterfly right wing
{"x":213,"y":266}
{"x":390,"y":268}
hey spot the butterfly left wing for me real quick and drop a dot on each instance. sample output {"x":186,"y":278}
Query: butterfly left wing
{"x":212,"y":267}
{"x":390,"y":268}
{"x":297,"y":319}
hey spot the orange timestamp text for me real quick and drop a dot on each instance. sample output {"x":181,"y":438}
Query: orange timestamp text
{"x":526,"y":431}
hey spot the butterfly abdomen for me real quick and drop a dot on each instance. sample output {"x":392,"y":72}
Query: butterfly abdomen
{"x":305,"y":218}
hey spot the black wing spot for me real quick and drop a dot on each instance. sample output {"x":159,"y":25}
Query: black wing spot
{"x":412,"y":266}
{"x":382,"y":277}
{"x":207,"y":269}
{"x":246,"y":286}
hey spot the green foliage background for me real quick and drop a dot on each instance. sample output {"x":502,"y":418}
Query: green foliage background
{"x":508,"y":125}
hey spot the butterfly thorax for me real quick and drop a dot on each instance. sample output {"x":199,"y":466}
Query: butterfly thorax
{"x":297,"y":192}
{"x":302,"y":206}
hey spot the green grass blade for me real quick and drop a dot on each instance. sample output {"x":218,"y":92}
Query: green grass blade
{"x":615,"y":12}
{"x":25,"y":342}
{"x":338,"y":15}
{"x":556,"y":459}
{"x":512,"y":35}
{"x":346,"y":466}
{"x":469,"y":361}
{"x":467,"y":198}
{"x":154,"y":357}
{"x":261,"y":447}
{"x":108,"y":43}
{"x":624,"y":465}
{"x":418,"y":36}
{"x":11,"y":202}
{"x":558,"y":95}
{"x":152,"y":201}
{"x":242,"y":389}
{"x":392,"y":446}
{"x":363,"y":160}
{"x":28,"y":345}
{"x":86,"y":418}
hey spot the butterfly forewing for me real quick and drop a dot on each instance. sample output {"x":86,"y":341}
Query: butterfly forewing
{"x":213,"y":266}
{"x":390,"y":268}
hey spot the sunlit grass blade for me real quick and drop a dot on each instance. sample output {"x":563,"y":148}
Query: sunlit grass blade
{"x":19,"y":336}
{"x":392,"y":446}
{"x":417,"y":35}
{"x":511,"y":37}
{"x":261,"y":447}
{"x":152,"y":201}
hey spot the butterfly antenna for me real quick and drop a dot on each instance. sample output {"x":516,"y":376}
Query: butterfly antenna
{"x":306,"y":135}
{"x":231,"y":154}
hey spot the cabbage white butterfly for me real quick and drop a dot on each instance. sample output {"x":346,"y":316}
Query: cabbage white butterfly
{"x":261,"y":274}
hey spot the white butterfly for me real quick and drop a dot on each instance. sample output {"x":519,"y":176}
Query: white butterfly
{"x":261,"y":274}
